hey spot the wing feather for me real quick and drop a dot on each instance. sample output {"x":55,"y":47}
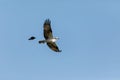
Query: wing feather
{"x":53,"y":46}
{"x":47,"y":29}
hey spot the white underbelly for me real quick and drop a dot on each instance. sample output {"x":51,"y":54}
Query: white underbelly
{"x":51,"y":40}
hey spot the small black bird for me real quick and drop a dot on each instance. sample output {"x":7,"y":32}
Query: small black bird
{"x":31,"y":38}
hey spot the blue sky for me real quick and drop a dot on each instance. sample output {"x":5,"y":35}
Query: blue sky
{"x":89,"y":32}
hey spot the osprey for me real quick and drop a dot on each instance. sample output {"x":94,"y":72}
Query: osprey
{"x":49,"y":39}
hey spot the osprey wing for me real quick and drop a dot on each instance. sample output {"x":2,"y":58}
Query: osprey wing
{"x":53,"y":46}
{"x":47,"y":29}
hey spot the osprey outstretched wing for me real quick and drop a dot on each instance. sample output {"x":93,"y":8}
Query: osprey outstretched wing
{"x":53,"y":46}
{"x":47,"y":29}
{"x":49,"y":37}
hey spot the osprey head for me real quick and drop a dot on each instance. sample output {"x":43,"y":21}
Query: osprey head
{"x":56,"y":38}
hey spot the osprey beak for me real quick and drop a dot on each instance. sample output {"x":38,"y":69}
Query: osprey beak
{"x":57,"y":38}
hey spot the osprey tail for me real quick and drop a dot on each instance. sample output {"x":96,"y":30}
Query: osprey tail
{"x":42,"y":41}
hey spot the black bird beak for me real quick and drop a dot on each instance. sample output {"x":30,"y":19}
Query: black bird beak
{"x":31,"y":38}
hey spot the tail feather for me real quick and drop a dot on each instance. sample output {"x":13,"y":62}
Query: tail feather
{"x":42,"y":41}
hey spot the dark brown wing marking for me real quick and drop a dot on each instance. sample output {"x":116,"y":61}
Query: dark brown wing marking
{"x":47,"y":29}
{"x":53,"y":46}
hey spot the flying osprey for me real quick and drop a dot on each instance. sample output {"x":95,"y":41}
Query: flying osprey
{"x":49,"y":39}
